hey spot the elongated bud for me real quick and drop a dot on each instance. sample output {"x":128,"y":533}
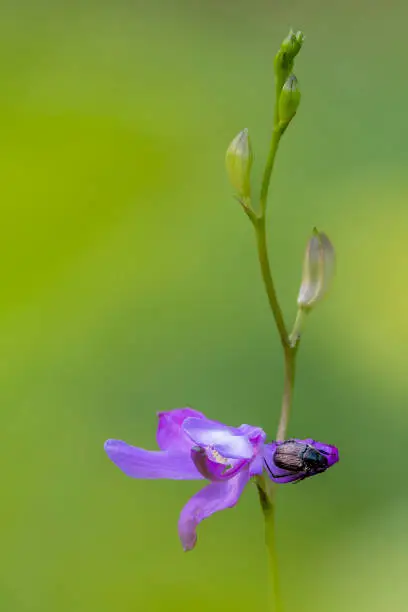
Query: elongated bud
{"x":239,"y":160}
{"x":318,"y":270}
{"x":284,"y":59}
{"x":289,"y":100}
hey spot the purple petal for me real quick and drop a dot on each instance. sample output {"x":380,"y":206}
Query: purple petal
{"x":140,"y":463}
{"x":255,"y":435}
{"x":228,"y":441}
{"x":257,"y":465}
{"x":214,"y":497}
{"x":282,"y":477}
{"x":170,"y":435}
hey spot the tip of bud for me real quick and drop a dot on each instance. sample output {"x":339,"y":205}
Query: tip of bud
{"x":291,"y":83}
{"x":239,"y":159}
{"x":300,"y":38}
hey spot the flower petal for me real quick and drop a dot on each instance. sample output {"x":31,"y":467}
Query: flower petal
{"x":230,"y":442}
{"x":140,"y":463}
{"x":170,"y":435}
{"x":255,"y":435}
{"x":257,"y":465}
{"x":214,"y":497}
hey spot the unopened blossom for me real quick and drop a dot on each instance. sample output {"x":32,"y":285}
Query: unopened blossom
{"x":318,"y":270}
{"x":196,"y":448}
{"x":239,"y":159}
{"x":289,"y":101}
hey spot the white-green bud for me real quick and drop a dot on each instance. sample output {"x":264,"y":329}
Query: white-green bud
{"x":239,"y":160}
{"x":285,"y":57}
{"x":293,"y":43}
{"x":318,"y":270}
{"x":289,"y":101}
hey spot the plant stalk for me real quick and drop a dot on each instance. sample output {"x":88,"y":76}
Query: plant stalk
{"x":266,"y":489}
{"x":268,"y":509}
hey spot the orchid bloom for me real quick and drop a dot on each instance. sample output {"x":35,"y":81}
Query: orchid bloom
{"x":194,"y":447}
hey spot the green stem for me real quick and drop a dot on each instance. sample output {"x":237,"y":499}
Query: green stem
{"x":268,"y":509}
{"x":267,"y":493}
{"x":288,"y":384}
{"x":273,"y":559}
{"x":280,"y":81}
{"x":260,"y":229}
{"x":296,"y":332}
{"x":276,"y":136}
{"x":289,"y":350}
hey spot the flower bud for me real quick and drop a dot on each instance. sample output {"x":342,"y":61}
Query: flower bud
{"x":239,"y":160}
{"x":318,"y":270}
{"x":284,"y":59}
{"x":293,"y":43}
{"x":289,"y":100}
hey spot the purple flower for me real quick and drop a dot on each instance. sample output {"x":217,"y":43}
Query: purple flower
{"x":194,"y":447}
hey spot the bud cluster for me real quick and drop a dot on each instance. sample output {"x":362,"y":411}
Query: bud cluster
{"x":285,"y":58}
{"x":319,"y":260}
{"x":288,"y":94}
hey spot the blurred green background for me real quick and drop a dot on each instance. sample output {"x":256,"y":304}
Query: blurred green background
{"x":129,"y":284}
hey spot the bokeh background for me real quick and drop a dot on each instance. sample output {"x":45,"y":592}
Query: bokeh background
{"x":129,"y":284}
